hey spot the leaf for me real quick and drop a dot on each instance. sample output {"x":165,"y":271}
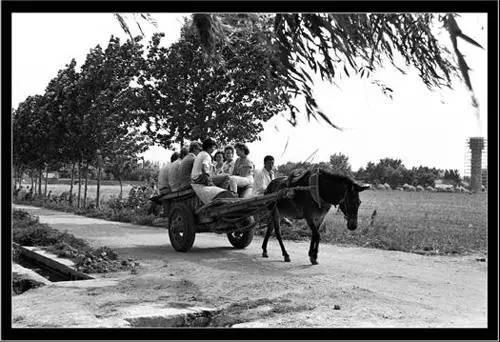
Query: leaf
{"x":123,"y":25}
{"x":469,"y":40}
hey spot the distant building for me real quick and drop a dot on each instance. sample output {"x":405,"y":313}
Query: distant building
{"x":442,"y":185}
{"x":53,"y":175}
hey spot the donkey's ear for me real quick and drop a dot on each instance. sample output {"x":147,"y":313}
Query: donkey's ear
{"x":361,"y":187}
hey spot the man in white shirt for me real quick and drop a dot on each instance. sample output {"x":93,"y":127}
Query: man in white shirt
{"x":263,"y":177}
{"x":202,"y":166}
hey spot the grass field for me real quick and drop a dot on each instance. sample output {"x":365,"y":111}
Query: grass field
{"x":106,"y":191}
{"x":422,"y":222}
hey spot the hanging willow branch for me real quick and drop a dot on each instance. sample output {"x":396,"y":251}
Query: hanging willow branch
{"x":329,"y":43}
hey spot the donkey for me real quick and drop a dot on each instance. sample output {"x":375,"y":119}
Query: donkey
{"x":333,"y":189}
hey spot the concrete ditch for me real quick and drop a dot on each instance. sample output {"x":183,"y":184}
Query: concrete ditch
{"x":49,"y":265}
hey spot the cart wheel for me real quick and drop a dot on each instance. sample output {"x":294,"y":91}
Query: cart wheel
{"x":240,"y":240}
{"x":181,"y":229}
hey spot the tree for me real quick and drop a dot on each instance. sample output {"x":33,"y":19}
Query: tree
{"x":184,"y":95}
{"x":31,"y":138}
{"x":121,"y":154}
{"x":61,"y":104}
{"x":425,"y":176}
{"x":339,"y":162}
{"x":286,"y":169}
{"x":103,"y":89}
{"x":453,"y":176}
{"x":395,"y":177}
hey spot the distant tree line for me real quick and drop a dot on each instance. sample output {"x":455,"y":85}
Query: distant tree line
{"x":386,"y":170}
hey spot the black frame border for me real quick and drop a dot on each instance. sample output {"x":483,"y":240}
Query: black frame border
{"x":491,"y":7}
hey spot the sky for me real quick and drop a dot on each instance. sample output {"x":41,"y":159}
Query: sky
{"x":418,"y":126}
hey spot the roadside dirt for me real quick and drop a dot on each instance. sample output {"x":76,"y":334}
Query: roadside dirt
{"x":351,"y":286}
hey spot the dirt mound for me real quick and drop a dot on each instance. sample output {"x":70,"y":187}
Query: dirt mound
{"x":22,"y":283}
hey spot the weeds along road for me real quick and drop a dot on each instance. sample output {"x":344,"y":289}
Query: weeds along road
{"x":351,"y":286}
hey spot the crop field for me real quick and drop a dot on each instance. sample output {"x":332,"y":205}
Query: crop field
{"x":422,"y":222}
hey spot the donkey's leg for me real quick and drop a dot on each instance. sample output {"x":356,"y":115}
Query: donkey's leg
{"x":313,"y":249}
{"x":270,"y":227}
{"x":317,"y":222}
{"x":314,"y":233}
{"x":276,"y":224}
{"x":314,"y":224}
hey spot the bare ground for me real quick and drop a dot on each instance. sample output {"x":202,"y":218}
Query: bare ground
{"x":351,"y":287}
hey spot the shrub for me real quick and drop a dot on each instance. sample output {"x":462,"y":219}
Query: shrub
{"x":144,"y":219}
{"x":123,"y":216}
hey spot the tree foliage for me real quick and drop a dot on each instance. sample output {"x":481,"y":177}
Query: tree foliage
{"x":185,"y":95}
{"x":339,"y":163}
{"x":453,"y":176}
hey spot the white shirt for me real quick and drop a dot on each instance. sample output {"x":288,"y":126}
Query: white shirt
{"x":262,"y":178}
{"x":203,"y":158}
{"x":228,"y":167}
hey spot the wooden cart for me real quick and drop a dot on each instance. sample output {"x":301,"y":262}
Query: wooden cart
{"x":236,"y":217}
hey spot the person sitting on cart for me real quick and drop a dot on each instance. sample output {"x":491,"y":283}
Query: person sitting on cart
{"x":163,"y":185}
{"x":187,"y":165}
{"x":241,"y":182}
{"x":228,"y":166}
{"x":264,"y":176}
{"x":174,"y":172}
{"x":219,"y":177}
{"x":202,"y":167}
{"x":218,"y":163}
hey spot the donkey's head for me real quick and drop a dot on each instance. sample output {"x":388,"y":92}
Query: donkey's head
{"x":342,"y":190}
{"x":349,"y":204}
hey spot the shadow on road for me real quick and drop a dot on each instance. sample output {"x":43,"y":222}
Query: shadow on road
{"x":222,"y":257}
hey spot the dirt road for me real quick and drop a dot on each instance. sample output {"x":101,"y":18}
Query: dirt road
{"x":351,"y":286}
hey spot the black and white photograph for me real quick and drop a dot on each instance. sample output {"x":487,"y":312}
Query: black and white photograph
{"x":243,"y":170}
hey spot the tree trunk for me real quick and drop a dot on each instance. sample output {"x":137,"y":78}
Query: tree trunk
{"x":32,"y":181}
{"x":15,"y":178}
{"x":40,"y":175}
{"x":46,"y":181}
{"x":86,"y":184}
{"x":71,"y":186}
{"x":19,"y":177}
{"x":98,"y":185}
{"x":35,"y":180}
{"x":121,"y":187}
{"x":79,"y":182}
